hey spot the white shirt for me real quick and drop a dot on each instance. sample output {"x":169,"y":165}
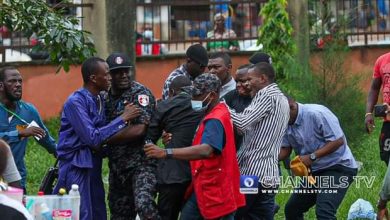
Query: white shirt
{"x":231,"y":85}
{"x":17,"y":206}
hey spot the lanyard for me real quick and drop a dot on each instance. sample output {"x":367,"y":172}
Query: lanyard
{"x":14,"y":114}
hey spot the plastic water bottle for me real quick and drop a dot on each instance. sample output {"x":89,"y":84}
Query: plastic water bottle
{"x":75,"y":190}
{"x":45,"y":212}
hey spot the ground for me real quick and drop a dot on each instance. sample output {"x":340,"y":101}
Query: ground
{"x":366,"y":151}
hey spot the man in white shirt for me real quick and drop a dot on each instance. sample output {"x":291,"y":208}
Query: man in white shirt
{"x":9,"y":208}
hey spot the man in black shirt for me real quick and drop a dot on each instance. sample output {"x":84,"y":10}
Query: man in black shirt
{"x":239,"y":98}
{"x":175,"y":116}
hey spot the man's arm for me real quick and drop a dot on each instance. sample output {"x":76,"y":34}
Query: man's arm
{"x":137,"y":129}
{"x":213,"y":141}
{"x":372,"y":99}
{"x":46,"y":141}
{"x":258,"y":109}
{"x":128,"y":134}
{"x":76,"y":113}
{"x":155,"y":128}
{"x":196,"y":152}
{"x":327,"y":149}
{"x":328,"y":127}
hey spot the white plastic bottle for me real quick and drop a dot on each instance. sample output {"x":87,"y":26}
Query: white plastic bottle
{"x":75,"y":190}
{"x":76,"y":201}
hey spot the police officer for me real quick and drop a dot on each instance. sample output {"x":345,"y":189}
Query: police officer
{"x":132,"y":176}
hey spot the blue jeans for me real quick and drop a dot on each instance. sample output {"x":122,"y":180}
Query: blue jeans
{"x":191,"y":211}
{"x":258,"y":206}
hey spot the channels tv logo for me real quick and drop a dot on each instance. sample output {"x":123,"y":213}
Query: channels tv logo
{"x":249,"y":184}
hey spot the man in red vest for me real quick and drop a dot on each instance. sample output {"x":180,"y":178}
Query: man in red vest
{"x":215,"y":188}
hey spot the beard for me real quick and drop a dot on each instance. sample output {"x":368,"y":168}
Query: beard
{"x":11,"y":96}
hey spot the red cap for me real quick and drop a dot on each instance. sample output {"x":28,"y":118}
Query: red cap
{"x":40,"y":193}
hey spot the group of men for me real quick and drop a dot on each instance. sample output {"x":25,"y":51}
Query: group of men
{"x":215,"y":128}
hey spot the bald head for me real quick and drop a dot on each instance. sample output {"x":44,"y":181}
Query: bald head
{"x":266,"y":69}
{"x":178,"y":83}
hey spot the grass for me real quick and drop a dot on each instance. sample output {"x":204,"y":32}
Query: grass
{"x":365,"y":150}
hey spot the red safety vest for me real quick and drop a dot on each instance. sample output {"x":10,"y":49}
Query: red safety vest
{"x":216,"y":180}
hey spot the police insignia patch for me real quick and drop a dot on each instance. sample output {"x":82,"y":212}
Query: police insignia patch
{"x":143,"y":100}
{"x":118,"y":60}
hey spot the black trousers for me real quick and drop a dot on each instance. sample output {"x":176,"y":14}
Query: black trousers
{"x":171,"y":199}
{"x":384,"y":142}
{"x":326,"y":200}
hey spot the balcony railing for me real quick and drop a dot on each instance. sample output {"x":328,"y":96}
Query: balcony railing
{"x":170,"y":26}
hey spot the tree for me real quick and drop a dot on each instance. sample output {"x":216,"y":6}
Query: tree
{"x":276,"y":35}
{"x":65,"y":44}
{"x":121,"y":39}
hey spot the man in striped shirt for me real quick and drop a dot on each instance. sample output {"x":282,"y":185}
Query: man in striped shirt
{"x":196,"y":63}
{"x":263,"y":123}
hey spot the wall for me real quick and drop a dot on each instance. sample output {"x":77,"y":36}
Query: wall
{"x":48,"y":90}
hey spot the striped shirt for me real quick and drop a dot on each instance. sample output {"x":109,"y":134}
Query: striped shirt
{"x":263,"y":123}
{"x":181,"y":71}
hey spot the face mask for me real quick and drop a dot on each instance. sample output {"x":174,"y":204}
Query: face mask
{"x":199,"y":106}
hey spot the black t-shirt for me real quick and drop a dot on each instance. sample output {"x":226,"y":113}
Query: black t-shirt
{"x":238,"y":103}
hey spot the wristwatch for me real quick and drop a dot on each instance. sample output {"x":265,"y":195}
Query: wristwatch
{"x":313,"y":157}
{"x":169,"y":152}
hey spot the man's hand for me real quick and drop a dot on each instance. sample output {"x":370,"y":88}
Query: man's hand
{"x":370,"y":124}
{"x":154,"y":151}
{"x":130,"y":112}
{"x":166,"y":138}
{"x":306,"y":160}
{"x":32,"y":131}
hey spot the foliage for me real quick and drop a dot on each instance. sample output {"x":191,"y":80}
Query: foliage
{"x":330,"y":84}
{"x":65,"y":44}
{"x":275,"y":35}
{"x":324,"y":27}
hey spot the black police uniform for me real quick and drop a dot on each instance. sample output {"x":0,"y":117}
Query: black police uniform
{"x":132,"y":181}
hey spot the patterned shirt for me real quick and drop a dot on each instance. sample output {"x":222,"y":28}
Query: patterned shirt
{"x":225,"y":45}
{"x":177,"y":72}
{"x":130,"y":155}
{"x":264,"y":123}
